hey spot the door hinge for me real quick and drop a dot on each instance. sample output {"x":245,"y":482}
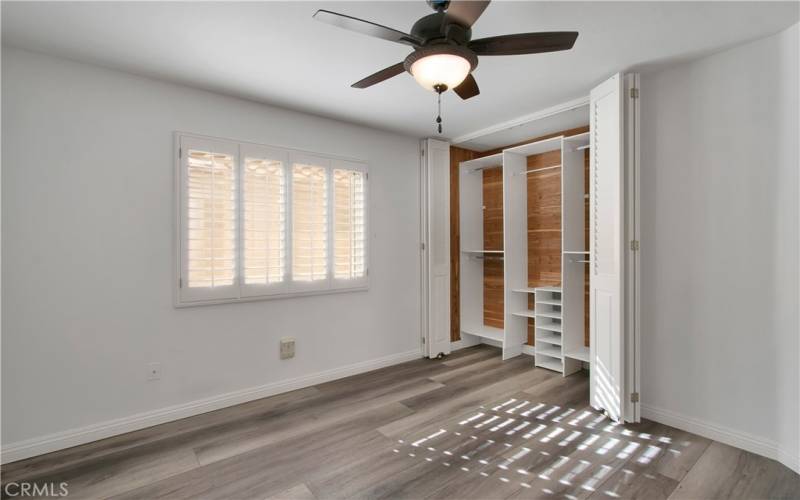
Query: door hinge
{"x":634,"y":397}
{"x":635,"y":245}
{"x":422,"y":153}
{"x":180,"y":282}
{"x":423,"y":340}
{"x":180,"y":152}
{"x":422,"y":246}
{"x":634,"y":93}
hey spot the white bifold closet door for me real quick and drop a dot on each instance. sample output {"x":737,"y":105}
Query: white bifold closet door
{"x":612,"y":360}
{"x":435,"y":189}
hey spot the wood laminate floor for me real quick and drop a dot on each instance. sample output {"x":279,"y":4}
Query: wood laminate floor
{"x":468,"y":426}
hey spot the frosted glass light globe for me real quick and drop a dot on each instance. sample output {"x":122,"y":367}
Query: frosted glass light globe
{"x":437,"y":69}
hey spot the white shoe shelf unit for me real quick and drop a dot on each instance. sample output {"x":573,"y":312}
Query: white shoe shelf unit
{"x":558,"y":311}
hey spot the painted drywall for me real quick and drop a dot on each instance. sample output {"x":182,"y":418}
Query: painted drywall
{"x":719,"y":194}
{"x":87,"y":206}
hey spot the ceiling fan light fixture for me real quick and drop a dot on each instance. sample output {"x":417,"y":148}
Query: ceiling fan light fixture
{"x":435,"y":66}
{"x":440,"y":69}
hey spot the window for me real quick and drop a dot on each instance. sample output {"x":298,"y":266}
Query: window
{"x":258,"y":222}
{"x":348,"y":224}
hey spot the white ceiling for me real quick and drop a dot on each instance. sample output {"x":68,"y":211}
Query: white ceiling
{"x":274,"y":52}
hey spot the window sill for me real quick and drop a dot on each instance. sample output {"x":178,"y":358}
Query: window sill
{"x":278,"y":296}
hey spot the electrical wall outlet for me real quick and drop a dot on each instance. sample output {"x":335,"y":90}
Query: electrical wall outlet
{"x":287,"y":347}
{"x":154,"y":371}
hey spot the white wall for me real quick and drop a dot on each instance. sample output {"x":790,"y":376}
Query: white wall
{"x":720,"y":245}
{"x":87,"y":206}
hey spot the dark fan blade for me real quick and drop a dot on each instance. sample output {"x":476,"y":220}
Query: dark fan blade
{"x":365,"y":27}
{"x":468,"y":88}
{"x":524,"y":43}
{"x":380,"y":76}
{"x":466,"y":12}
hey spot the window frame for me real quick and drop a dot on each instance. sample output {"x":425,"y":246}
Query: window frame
{"x":239,"y":291}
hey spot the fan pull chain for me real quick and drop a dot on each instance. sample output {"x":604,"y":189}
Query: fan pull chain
{"x":439,"y":118}
{"x":439,"y":88}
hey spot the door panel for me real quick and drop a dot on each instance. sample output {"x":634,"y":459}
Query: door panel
{"x":437,"y":163}
{"x":607,"y":210}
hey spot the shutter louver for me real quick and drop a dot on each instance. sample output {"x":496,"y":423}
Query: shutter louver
{"x":211,"y":219}
{"x":264,"y":197}
{"x":349,"y":224}
{"x":309,"y":223}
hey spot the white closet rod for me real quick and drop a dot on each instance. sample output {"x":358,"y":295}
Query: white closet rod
{"x":581,"y":148}
{"x":538,"y":170}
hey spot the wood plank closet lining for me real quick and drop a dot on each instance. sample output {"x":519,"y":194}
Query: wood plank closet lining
{"x":493,"y":301}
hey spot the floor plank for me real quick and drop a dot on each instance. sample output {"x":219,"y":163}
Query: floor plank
{"x":469,"y":426}
{"x":727,"y":472}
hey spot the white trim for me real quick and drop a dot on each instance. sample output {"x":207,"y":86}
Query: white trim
{"x":522,"y":120}
{"x":73,"y":437}
{"x":726,"y":435}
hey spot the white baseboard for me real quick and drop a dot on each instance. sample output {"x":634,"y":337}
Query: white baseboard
{"x":726,"y":435}
{"x":528,"y":349}
{"x":73,"y":437}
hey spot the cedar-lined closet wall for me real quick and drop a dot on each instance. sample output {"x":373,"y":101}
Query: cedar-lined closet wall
{"x":544,"y":231}
{"x":493,"y":240}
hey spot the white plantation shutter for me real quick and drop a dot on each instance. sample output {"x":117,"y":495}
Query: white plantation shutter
{"x":209,"y":229}
{"x":349,"y":224}
{"x":264,"y":220}
{"x":258,"y":221}
{"x":310,"y":222}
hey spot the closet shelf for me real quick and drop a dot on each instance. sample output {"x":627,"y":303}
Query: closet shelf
{"x":579,"y":353}
{"x":538,"y":147}
{"x":549,"y":302}
{"x":550,"y":327}
{"x":524,"y":290}
{"x":549,"y":337}
{"x":549,"y":363}
{"x":493,"y":161}
{"x":486,"y":332}
{"x":525,"y":314}
{"x":549,"y":350}
{"x":482,"y":251}
{"x":553,"y":289}
{"x":554,"y":315}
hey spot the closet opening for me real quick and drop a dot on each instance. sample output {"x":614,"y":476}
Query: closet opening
{"x":520,"y":236}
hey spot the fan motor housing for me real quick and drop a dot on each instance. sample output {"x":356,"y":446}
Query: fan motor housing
{"x":434,"y":27}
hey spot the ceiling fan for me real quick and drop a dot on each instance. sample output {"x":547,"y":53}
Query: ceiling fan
{"x":444,"y":54}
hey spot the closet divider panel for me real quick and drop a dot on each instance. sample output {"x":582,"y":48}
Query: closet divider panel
{"x":493,"y":240}
{"x":515,"y":229}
